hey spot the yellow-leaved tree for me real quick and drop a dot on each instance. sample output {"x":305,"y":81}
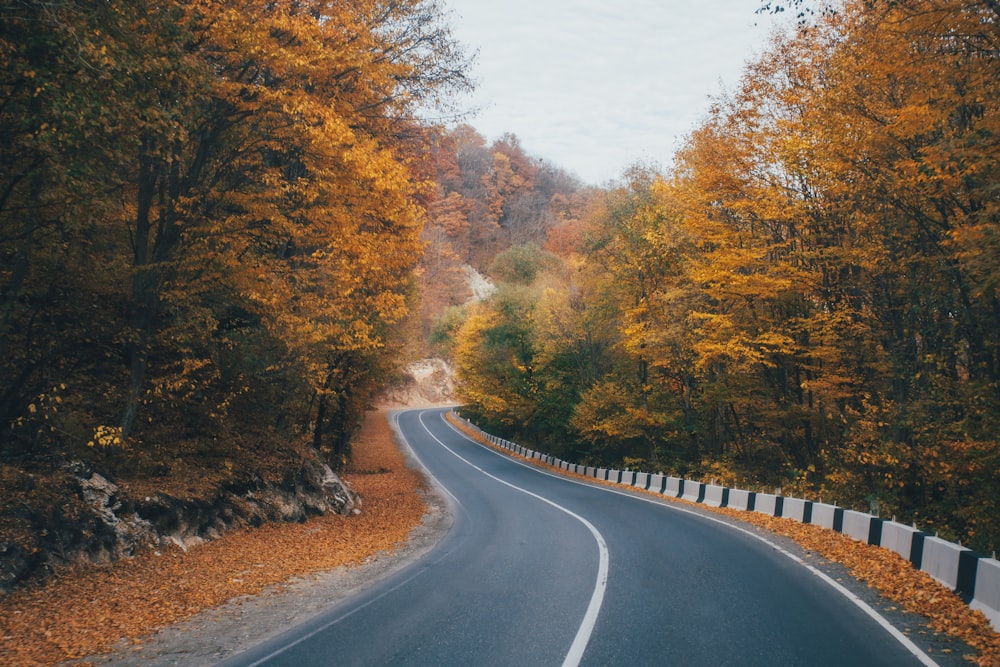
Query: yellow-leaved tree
{"x":242,"y":182}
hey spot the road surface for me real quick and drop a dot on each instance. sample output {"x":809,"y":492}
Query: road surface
{"x":539,"y":569}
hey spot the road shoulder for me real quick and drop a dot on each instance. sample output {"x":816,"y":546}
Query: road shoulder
{"x":225,"y":631}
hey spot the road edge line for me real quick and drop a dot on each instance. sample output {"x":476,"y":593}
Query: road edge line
{"x":586,"y":629}
{"x":882,"y":621}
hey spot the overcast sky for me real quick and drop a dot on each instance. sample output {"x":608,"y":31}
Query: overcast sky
{"x":594,"y":86}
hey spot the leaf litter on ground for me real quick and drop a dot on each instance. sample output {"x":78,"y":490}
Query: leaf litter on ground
{"x":86,"y":610}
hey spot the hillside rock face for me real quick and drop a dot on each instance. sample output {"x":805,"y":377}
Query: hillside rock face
{"x":87,"y":518}
{"x":428,"y":382}
{"x":100,"y":523}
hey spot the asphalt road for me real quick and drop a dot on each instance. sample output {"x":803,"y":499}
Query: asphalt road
{"x":543,"y":570}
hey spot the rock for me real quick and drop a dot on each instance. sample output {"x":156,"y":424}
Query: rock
{"x":102,"y":524}
{"x":100,"y":494}
{"x":425,"y":382}
{"x":16,"y":563}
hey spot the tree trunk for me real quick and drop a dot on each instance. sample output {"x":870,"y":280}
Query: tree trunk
{"x":143,"y":292}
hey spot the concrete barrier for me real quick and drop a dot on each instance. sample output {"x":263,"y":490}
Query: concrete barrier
{"x":641,"y":480}
{"x":860,"y":526}
{"x":766,"y":503}
{"x":825,"y":515}
{"x":693,"y":491}
{"x":986,"y":597}
{"x":602,"y":473}
{"x":899,"y":538}
{"x":657,"y":483}
{"x":796,"y":508}
{"x":941,"y":560}
{"x":627,"y":478}
{"x":673,"y":487}
{"x":614,"y":476}
{"x":716,"y":496}
{"x":740,"y":499}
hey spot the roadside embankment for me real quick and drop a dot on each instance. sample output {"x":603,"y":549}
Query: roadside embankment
{"x":88,"y":609}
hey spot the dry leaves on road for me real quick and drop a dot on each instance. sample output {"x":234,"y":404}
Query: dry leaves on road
{"x":85,"y":610}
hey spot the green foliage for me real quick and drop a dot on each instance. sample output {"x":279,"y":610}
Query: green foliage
{"x":520,"y":264}
{"x":445,"y":328}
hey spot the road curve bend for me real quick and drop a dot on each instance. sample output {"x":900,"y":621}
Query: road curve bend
{"x":539,"y":569}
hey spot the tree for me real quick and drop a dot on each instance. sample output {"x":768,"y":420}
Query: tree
{"x":246,"y":168}
{"x":494,"y":358}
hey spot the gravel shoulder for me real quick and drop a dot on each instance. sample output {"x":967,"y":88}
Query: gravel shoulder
{"x":224,"y":631}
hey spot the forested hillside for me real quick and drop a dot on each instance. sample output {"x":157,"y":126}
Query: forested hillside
{"x":210,"y":214}
{"x":809,"y":297}
{"x":487,"y":199}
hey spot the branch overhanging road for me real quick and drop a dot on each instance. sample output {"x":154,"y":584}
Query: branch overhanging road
{"x":539,"y":569}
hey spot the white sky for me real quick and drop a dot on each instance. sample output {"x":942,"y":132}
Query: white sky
{"x":594,"y":86}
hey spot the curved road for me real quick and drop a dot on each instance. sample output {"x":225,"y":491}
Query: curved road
{"x":543,"y":570}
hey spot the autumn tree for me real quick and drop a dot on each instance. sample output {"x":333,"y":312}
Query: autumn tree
{"x":63,"y":112}
{"x":494,"y":358}
{"x":249,"y":180}
{"x":526,"y":355}
{"x":488,"y":199}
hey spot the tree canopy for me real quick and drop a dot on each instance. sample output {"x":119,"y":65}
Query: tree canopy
{"x":209,"y":217}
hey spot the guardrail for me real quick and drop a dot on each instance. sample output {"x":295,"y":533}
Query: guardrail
{"x":971,"y":575}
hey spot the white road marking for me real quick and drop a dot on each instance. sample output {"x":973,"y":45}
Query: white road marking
{"x":858,"y":602}
{"x":586,"y":629}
